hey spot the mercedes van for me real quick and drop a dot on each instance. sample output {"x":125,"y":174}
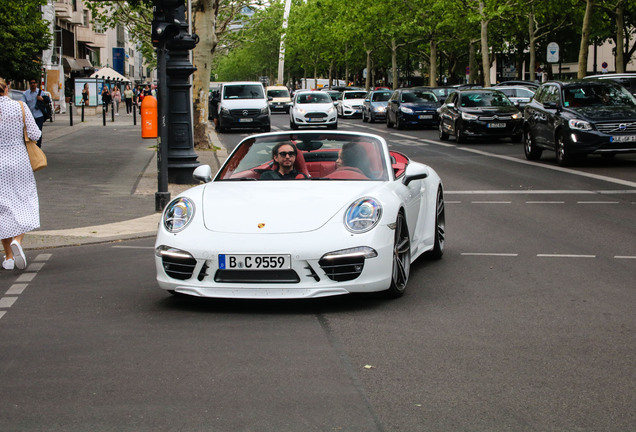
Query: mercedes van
{"x":243,"y":105}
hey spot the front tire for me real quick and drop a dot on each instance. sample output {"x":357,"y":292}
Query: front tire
{"x":293,"y":125}
{"x":443,"y":136}
{"x":440,"y":227}
{"x":459,"y":136}
{"x":530,"y":147}
{"x":562,"y":155}
{"x":389,"y":123}
{"x":401,"y":259}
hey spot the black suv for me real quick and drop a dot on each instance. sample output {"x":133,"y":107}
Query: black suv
{"x":577,"y":118}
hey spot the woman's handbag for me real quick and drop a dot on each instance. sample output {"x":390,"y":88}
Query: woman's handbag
{"x":36,"y":155}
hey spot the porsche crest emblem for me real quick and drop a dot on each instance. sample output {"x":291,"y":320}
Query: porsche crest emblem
{"x":261,"y":225}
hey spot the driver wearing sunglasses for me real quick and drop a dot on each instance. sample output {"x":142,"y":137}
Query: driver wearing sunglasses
{"x":284,"y":155}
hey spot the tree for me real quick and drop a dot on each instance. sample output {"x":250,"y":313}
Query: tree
{"x":23,"y":37}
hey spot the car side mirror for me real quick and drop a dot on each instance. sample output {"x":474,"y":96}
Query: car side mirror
{"x":203,"y":173}
{"x":414,"y":172}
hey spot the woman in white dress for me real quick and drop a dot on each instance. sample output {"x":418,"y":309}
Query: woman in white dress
{"x":19,"y":205}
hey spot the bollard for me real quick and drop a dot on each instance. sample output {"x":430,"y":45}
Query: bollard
{"x":112,"y":111}
{"x":134,"y":115}
{"x":82,"y":112}
{"x":70,"y":113}
{"x":104,"y":114}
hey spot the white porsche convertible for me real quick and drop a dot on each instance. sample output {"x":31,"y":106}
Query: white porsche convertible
{"x":348,"y":216}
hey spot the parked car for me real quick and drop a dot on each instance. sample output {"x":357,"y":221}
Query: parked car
{"x":577,"y":118}
{"x":520,"y":96}
{"x":518,"y":83}
{"x":350,"y":103}
{"x":313,"y":108}
{"x":280,"y":98}
{"x":362,"y":225}
{"x":441,"y":92}
{"x":374,"y":105}
{"x":243,"y":105}
{"x":412,"y":107}
{"x":480,"y":113}
{"x":627,"y":80}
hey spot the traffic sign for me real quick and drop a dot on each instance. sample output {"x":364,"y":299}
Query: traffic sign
{"x":553,"y":52}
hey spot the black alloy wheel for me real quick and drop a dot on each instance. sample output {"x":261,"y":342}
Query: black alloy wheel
{"x":440,"y":227}
{"x":562,"y":155}
{"x":459,"y":135}
{"x":398,"y":123}
{"x":530,"y":147}
{"x":443,"y":136}
{"x":401,"y":258}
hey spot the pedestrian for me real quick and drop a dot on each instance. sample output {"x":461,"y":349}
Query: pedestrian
{"x":19,"y":205}
{"x":128,"y":98}
{"x":116,"y":99}
{"x":106,"y":98}
{"x":31,"y":98}
{"x":85,"y":94}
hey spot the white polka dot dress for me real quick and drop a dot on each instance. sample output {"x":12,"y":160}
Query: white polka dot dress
{"x":19,"y":206}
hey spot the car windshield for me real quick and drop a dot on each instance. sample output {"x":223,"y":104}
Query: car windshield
{"x":418,"y":96}
{"x":243,"y":91}
{"x":354,"y":95}
{"x":596,"y":95}
{"x":313,"y":98}
{"x":485,"y":99}
{"x":282,"y":93}
{"x":321,"y":156}
{"x":381,"y":97}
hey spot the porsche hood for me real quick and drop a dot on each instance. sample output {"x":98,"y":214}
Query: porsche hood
{"x":278,"y":207}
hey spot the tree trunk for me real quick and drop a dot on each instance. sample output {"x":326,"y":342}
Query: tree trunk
{"x":432,"y":73}
{"x":472,"y":64}
{"x":394,"y":64}
{"x":532,"y":47}
{"x":367,"y":82}
{"x":585,"y":40}
{"x":485,"y":59}
{"x":620,"y":38}
{"x":204,"y":25}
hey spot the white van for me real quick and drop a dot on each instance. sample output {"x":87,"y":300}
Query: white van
{"x":243,"y":105}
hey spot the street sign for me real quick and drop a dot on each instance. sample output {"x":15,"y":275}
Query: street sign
{"x":553,"y":52}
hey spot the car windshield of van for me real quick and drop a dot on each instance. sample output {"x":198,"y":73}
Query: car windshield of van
{"x":485,"y":99}
{"x":247,"y":91}
{"x":282,"y":93}
{"x":597,"y":95}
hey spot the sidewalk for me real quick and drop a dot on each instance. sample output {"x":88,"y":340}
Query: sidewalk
{"x":101,"y":181}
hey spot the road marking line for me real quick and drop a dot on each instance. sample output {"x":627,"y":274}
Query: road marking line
{"x":452,"y":202}
{"x":26,"y":277}
{"x":42,"y":257}
{"x":597,"y":202}
{"x":7,"y":302}
{"x":2,"y":314}
{"x":491,"y":202}
{"x":565,"y":256}
{"x":16,"y":289}
{"x":545,"y":202}
{"x":35,"y":266}
{"x":489,"y":254}
{"x":402,"y":135}
{"x":550,"y":167}
{"x":624,"y":257}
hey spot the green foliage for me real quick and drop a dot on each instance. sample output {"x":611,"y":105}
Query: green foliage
{"x":135,"y":16}
{"x":23,"y":37}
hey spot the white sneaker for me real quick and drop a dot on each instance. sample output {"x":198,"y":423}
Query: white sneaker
{"x":18,"y":255}
{"x":8,"y":264}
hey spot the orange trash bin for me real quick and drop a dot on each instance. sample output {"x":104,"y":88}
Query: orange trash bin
{"x":149,"y":117}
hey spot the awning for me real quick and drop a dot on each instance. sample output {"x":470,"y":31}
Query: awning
{"x":109,"y":74}
{"x":72,"y":64}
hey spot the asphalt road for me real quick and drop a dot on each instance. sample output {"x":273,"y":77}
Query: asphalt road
{"x":526,"y":324}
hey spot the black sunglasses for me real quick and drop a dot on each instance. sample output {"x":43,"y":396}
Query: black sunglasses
{"x":285,"y":154}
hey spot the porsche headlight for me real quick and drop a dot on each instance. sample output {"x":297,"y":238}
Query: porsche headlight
{"x":178,"y":214}
{"x":363,"y":215}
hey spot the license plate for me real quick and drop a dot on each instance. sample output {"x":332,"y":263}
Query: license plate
{"x":254,"y":262}
{"x":309,"y":120}
{"x":624,"y":138}
{"x":245,"y":120}
{"x":425,"y":117}
{"x":496,"y":125}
